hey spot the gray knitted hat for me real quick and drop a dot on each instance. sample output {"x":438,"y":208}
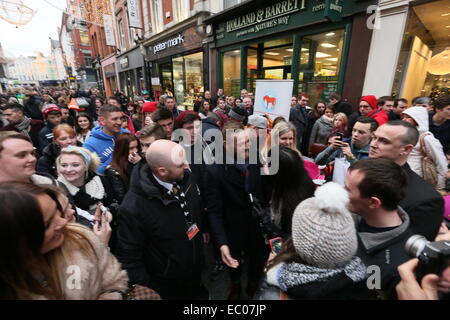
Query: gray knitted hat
{"x":323,"y":230}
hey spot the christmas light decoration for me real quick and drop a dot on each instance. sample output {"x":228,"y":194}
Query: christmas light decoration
{"x":15,"y":12}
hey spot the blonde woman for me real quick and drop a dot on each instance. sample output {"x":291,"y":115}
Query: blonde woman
{"x":76,"y":170}
{"x":340,"y":124}
{"x":284,"y":134}
{"x":45,"y":253}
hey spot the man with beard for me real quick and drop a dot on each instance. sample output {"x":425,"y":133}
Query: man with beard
{"x":159,"y":236}
{"x":15,"y":115}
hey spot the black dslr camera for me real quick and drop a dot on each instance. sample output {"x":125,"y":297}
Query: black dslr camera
{"x":434,"y":257}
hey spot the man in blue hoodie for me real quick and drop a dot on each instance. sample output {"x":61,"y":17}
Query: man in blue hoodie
{"x":102,"y":138}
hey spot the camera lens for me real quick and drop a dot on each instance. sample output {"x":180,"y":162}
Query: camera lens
{"x":415,"y":245}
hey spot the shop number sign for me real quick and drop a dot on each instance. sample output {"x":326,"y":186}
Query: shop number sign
{"x":333,"y":10}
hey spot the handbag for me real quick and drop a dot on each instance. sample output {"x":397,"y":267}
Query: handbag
{"x":138,"y":292}
{"x":428,"y":166}
{"x":316,"y":148}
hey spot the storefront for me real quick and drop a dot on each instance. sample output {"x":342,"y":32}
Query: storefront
{"x":319,"y":44}
{"x":109,"y":75}
{"x":423,"y":67}
{"x":177,"y":62}
{"x":130,"y":66}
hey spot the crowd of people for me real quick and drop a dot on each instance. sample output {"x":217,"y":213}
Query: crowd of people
{"x":130,"y":191}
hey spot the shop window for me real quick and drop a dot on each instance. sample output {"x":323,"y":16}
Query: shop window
{"x":182,"y":9}
{"x":319,"y":65}
{"x":188,"y":78}
{"x":424,"y":63}
{"x":232,"y":72}
{"x":121,"y":33}
{"x":157,"y":14}
{"x":84,"y":38}
{"x":230,"y":3}
{"x":277,"y":59}
{"x":252,"y":68}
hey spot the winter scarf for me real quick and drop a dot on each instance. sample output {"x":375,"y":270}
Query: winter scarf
{"x":23,"y":126}
{"x":294,"y":274}
{"x":89,"y":195}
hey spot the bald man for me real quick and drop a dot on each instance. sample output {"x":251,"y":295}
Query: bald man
{"x":160,"y":240}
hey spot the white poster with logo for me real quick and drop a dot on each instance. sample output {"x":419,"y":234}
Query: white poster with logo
{"x":134,"y":20}
{"x":273,"y":97}
{"x":109,"y":30}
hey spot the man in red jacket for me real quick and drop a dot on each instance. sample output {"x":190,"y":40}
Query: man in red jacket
{"x":368,"y":106}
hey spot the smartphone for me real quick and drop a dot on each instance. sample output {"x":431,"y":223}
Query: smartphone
{"x":339,"y":136}
{"x":104,"y":210}
{"x":276,"y":244}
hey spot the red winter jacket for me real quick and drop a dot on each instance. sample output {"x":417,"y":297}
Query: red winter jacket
{"x":380,"y":116}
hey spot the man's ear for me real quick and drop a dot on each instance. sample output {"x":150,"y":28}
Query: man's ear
{"x":162,"y":172}
{"x":101,"y":119}
{"x":374,"y":203}
{"x":407,"y":149}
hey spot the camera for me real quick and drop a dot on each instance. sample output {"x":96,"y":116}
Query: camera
{"x":434,"y":257}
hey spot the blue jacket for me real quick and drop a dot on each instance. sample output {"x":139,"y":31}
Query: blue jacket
{"x":329,"y":154}
{"x":103,"y":145}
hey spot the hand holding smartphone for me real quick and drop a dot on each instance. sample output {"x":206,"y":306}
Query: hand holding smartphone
{"x":276,"y":244}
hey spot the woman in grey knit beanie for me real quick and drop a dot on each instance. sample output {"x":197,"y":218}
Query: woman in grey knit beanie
{"x":319,"y":261}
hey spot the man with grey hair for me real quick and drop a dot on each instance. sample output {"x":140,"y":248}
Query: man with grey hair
{"x":425,"y":102}
{"x":160,"y":226}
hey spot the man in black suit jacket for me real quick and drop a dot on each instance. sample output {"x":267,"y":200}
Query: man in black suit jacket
{"x":425,"y":206}
{"x":297,"y":116}
{"x":229,"y":189}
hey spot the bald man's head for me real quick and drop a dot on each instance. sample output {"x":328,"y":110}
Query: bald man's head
{"x":167,"y":160}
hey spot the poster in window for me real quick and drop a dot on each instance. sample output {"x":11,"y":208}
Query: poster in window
{"x":273,"y":97}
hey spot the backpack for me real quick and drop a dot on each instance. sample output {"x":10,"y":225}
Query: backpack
{"x":428,"y":166}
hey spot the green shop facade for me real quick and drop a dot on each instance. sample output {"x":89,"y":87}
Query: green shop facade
{"x":322,"y":45}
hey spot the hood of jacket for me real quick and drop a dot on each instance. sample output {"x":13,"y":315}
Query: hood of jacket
{"x":326,"y":121}
{"x":420,"y":115}
{"x":51,"y":151}
{"x":98,"y":133}
{"x":374,"y":240}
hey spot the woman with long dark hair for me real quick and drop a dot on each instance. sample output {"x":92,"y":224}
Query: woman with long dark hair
{"x":126,"y":154}
{"x":83,"y":126}
{"x":205,"y":107}
{"x":287,"y":188}
{"x":38,"y":247}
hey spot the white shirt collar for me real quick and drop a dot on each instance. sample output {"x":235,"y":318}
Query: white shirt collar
{"x":167,"y":185}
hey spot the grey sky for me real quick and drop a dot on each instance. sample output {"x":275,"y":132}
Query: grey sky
{"x":32,"y":37}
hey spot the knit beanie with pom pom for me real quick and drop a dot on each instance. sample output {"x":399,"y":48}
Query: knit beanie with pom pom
{"x":323,"y":230}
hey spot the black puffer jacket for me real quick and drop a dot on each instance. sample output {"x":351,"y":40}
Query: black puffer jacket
{"x":118,"y":184}
{"x":152,"y":242}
